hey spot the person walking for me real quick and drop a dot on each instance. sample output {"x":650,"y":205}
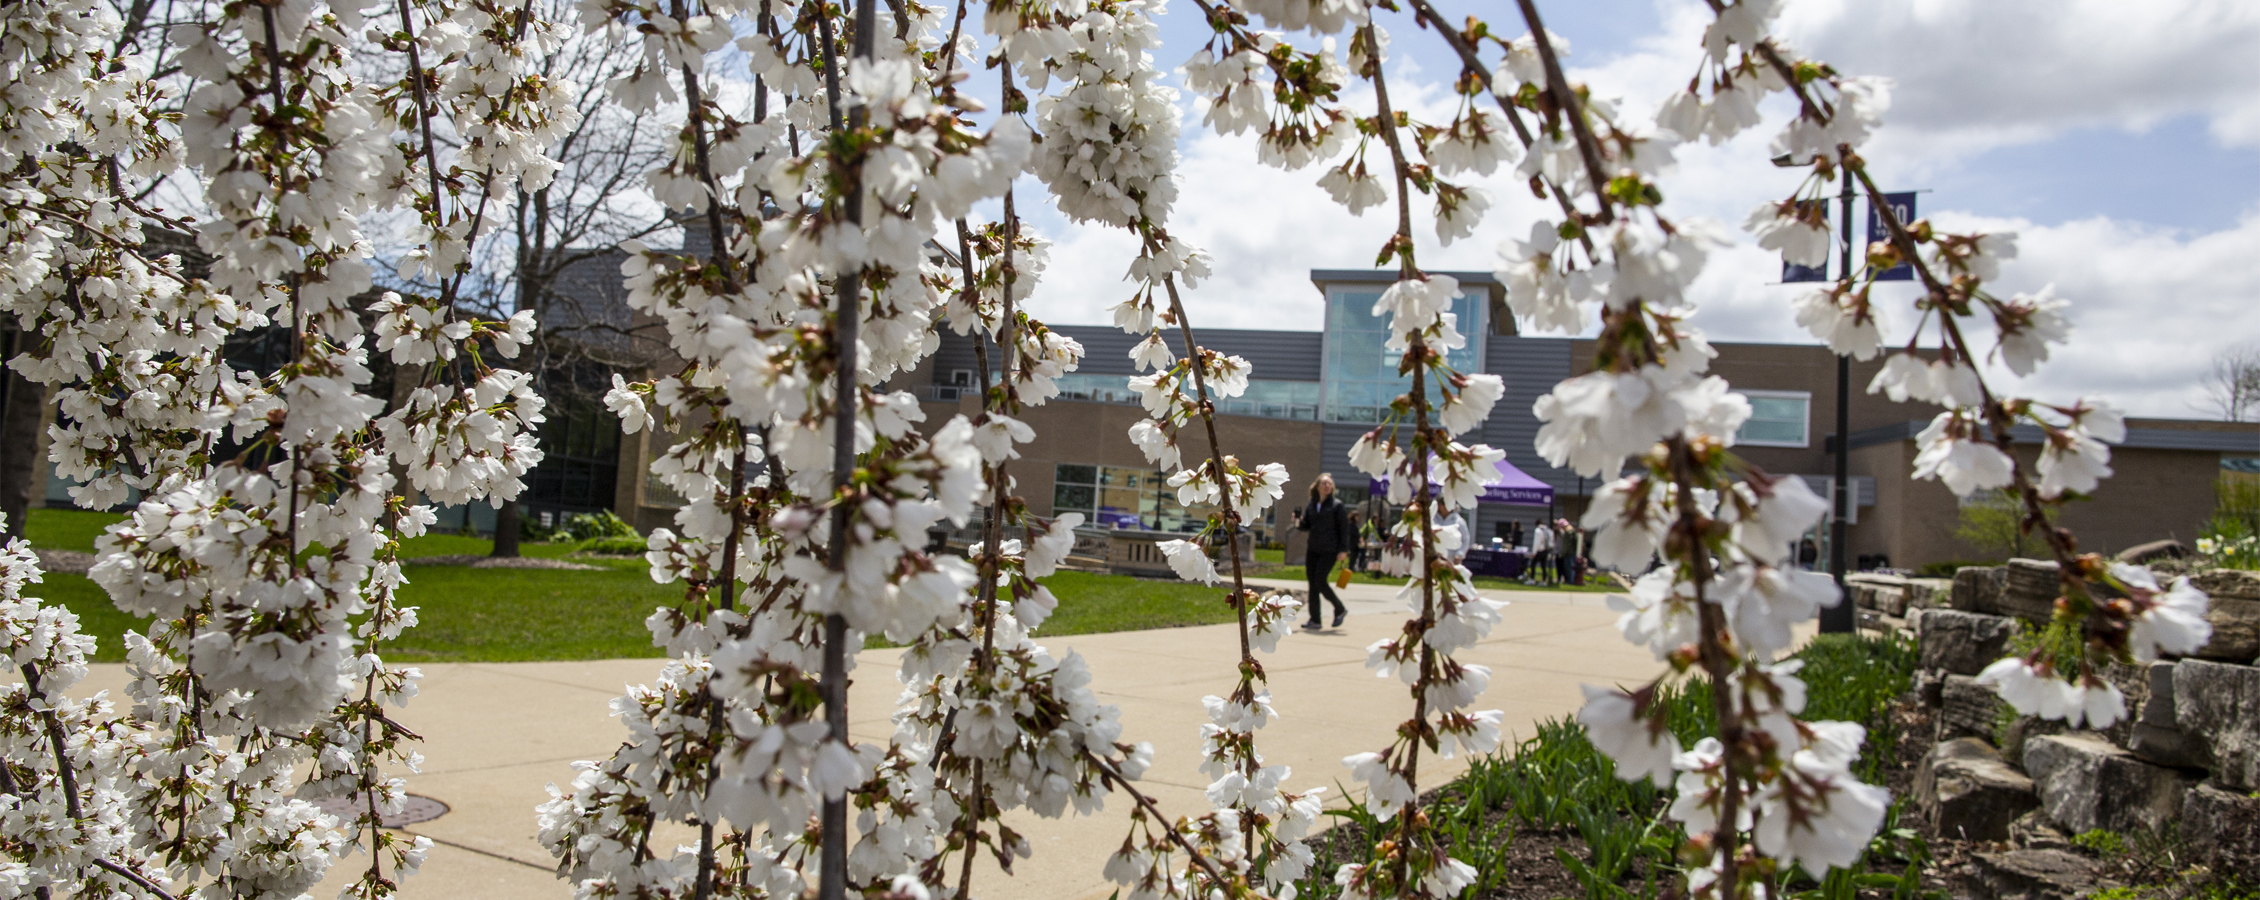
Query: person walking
{"x":1328,"y":522}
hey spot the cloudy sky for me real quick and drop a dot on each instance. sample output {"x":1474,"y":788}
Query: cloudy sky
{"x":2120,"y":140}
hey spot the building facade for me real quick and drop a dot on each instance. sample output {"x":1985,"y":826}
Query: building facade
{"x":1314,"y":392}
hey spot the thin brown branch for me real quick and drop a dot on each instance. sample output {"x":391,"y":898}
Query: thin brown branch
{"x":133,"y":876}
{"x":1106,"y":769}
{"x":1716,"y":660}
{"x":1556,"y":83}
{"x":1471,"y":64}
{"x":1250,"y":669}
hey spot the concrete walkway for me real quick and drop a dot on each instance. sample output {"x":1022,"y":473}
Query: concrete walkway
{"x":496,"y":733}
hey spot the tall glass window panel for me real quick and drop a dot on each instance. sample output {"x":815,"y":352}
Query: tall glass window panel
{"x":1361,"y":373}
{"x":1777,"y":419}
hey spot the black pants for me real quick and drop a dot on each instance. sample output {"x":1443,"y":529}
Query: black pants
{"x":1317,"y":566}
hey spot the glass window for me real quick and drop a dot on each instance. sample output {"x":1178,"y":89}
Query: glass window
{"x":1361,"y":373}
{"x":1119,"y":497}
{"x":1777,"y":419}
{"x":1072,"y":498}
{"x":1271,"y":399}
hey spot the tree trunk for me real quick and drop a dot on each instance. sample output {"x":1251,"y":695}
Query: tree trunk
{"x":21,"y":404}
{"x":506,"y":530}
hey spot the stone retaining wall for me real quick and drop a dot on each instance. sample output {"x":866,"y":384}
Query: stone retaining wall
{"x":2187,"y":754}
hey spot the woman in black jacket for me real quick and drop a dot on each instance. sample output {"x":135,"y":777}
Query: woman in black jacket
{"x":1331,"y":538}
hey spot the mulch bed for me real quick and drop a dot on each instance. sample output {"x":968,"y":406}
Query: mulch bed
{"x":1536,"y":873}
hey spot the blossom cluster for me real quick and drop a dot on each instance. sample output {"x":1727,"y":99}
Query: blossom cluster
{"x":70,"y":763}
{"x":789,"y":559}
{"x":264,"y":542}
{"x":1968,"y":445}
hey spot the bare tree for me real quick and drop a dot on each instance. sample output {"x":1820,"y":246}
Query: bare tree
{"x":2232,"y":385}
{"x":558,"y":256}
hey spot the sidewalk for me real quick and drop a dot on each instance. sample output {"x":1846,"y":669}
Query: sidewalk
{"x":496,"y":733}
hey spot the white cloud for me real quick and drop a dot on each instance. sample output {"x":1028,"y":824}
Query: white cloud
{"x":2151,"y":306}
{"x":1978,"y":75}
{"x":1266,"y":229}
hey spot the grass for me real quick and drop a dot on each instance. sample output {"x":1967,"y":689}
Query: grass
{"x":510,"y":615}
{"x":1091,"y":603}
{"x":66,"y":529}
{"x":1556,"y":786}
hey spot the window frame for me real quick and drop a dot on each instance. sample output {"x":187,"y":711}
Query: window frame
{"x":1331,"y":408}
{"x":1805,"y":439}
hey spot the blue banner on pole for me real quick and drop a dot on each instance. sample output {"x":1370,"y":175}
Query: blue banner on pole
{"x":1903,"y":209}
{"x":1792,"y":273}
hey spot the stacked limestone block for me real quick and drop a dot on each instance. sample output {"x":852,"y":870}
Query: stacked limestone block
{"x":2188,"y":756}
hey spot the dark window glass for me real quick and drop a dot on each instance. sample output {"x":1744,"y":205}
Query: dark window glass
{"x":1071,"y":474}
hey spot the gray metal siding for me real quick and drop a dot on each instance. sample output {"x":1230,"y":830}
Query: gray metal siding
{"x":1334,"y":442}
{"x":955,"y":352}
{"x":1529,"y":367}
{"x":2137,"y":438}
{"x":1276,"y":355}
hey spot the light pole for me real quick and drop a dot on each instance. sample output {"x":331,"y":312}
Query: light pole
{"x":1841,"y":618}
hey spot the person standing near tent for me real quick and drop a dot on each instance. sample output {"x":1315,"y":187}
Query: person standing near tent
{"x":1377,"y":518}
{"x":1453,"y":520}
{"x":1570,"y":542}
{"x":1358,"y":529}
{"x":1541,"y":554}
{"x":1328,"y":522}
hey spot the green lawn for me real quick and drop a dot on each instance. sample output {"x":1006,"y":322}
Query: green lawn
{"x":505,"y":615}
{"x":66,"y":529}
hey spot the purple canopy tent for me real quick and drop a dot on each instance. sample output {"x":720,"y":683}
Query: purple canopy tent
{"x":1513,"y":486}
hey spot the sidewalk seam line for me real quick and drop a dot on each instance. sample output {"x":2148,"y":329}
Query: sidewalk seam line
{"x":470,"y":849}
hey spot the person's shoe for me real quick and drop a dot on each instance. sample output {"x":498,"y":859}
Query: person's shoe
{"x":1313,"y":625}
{"x":1339,"y":615}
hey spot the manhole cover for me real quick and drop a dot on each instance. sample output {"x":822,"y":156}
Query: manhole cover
{"x":417,"y":808}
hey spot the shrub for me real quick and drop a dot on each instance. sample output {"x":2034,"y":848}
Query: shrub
{"x":612,"y":546}
{"x":1948,"y":568}
{"x":2232,"y":537}
{"x":600,"y":524}
{"x":2100,"y":842}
